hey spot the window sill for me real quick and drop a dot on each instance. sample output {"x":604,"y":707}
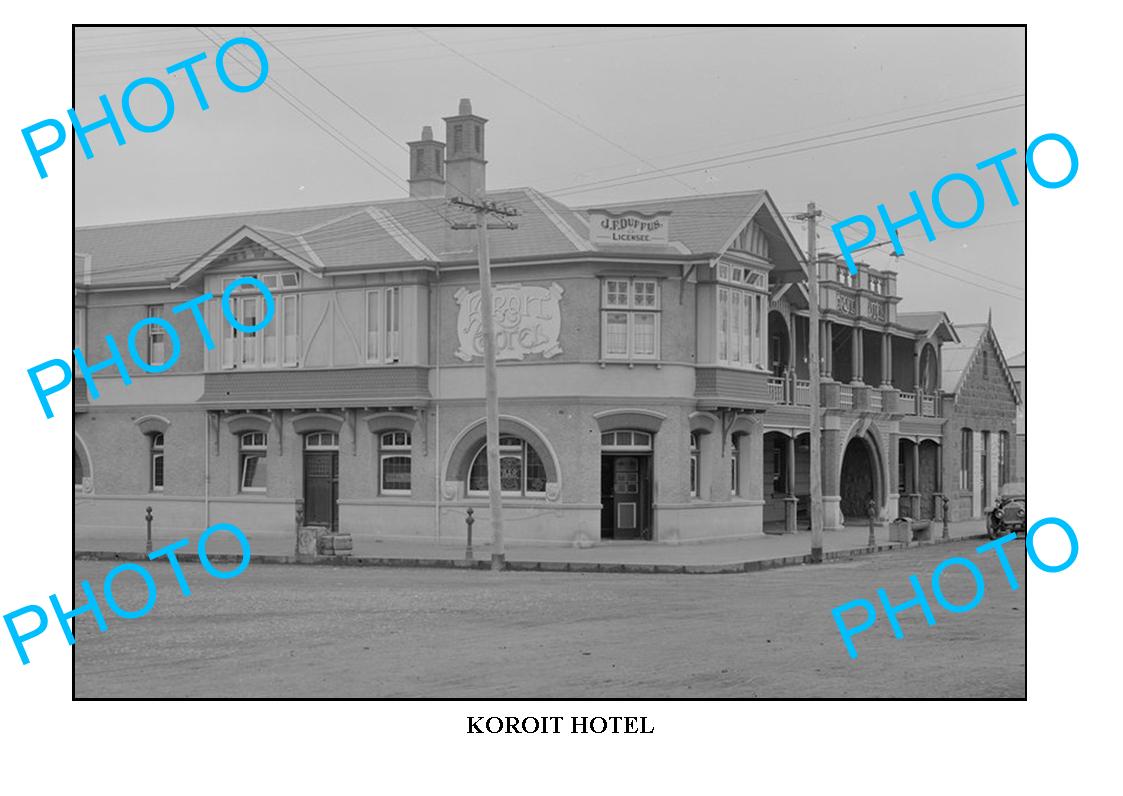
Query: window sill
{"x":482,"y":496}
{"x":631,"y":363}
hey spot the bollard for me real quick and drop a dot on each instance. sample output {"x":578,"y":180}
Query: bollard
{"x":468,"y":521}
{"x":871,"y":511}
{"x":944,"y":500}
{"x":148,"y":522}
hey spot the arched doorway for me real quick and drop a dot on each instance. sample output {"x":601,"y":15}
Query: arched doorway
{"x":859,"y":480}
{"x":779,"y":344}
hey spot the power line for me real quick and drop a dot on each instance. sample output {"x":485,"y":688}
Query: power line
{"x":949,"y":276}
{"x":617,"y":182}
{"x":545,"y":104}
{"x":277,"y":88}
{"x":945,"y":262}
{"x":326,"y":88}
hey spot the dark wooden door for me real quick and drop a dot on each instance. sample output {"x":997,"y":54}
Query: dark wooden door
{"x":607,"y":512}
{"x":626,"y":497}
{"x":321,"y":488}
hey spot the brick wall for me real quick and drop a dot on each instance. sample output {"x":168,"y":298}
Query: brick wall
{"x":985,"y":402}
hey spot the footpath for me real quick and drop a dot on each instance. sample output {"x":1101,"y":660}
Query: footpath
{"x":742,"y":555}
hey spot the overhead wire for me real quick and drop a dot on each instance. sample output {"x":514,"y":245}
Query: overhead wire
{"x":945,"y":262}
{"x":549,"y":106}
{"x":679,"y":170}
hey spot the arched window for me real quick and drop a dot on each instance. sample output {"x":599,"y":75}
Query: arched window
{"x":966,"y":454}
{"x":625,"y":441}
{"x":322,"y":441}
{"x":252,"y":450}
{"x":520,"y":469}
{"x":395,"y":463}
{"x":156,"y":457}
{"x":693,"y":464}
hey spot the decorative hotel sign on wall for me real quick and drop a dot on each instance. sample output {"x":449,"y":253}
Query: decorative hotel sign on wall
{"x":628,"y":226}
{"x":527,"y":321}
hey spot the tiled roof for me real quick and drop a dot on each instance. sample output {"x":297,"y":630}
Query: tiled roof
{"x":702,"y":223}
{"x":394,"y":232}
{"x":956,"y":358}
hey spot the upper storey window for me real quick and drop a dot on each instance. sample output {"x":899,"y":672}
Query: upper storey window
{"x":740,"y":314}
{"x":278,"y":344}
{"x":630,"y":319}
{"x":384,"y":321}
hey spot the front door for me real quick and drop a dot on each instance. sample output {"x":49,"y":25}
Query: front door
{"x":625,"y":497}
{"x":321,"y":488}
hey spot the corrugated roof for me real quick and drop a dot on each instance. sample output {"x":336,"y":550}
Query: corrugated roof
{"x":389,"y":233}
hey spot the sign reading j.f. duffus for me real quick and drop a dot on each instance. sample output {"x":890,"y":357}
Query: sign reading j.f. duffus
{"x":628,"y":226}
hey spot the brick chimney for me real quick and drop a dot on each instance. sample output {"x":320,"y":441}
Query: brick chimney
{"x":426,"y":166}
{"x":465,"y":165}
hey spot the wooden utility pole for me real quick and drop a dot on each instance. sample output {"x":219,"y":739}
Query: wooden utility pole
{"x":483,"y":209}
{"x":813,"y":354}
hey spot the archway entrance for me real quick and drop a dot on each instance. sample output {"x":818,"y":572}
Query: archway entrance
{"x":859,"y":480}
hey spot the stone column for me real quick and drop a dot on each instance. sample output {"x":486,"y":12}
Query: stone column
{"x":915,"y":496}
{"x":856,"y":365}
{"x":892,"y":495}
{"x":752,"y":455}
{"x":832,"y":499}
{"x":826,"y":354}
{"x":886,"y":360}
{"x":791,"y":503}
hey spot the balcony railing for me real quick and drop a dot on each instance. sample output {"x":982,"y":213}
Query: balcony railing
{"x":784,"y":390}
{"x":906,"y":403}
{"x":777,"y":389}
{"x":802,"y":393}
{"x":846,"y":396}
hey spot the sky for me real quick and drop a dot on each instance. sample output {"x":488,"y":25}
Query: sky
{"x":848,"y":118}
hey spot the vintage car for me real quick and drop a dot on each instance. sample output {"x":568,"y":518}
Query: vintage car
{"x":1008,"y":515}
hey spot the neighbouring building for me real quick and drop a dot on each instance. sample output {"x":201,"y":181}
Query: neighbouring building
{"x":1018,"y":371}
{"x":653,"y":375}
{"x":981,"y":421}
